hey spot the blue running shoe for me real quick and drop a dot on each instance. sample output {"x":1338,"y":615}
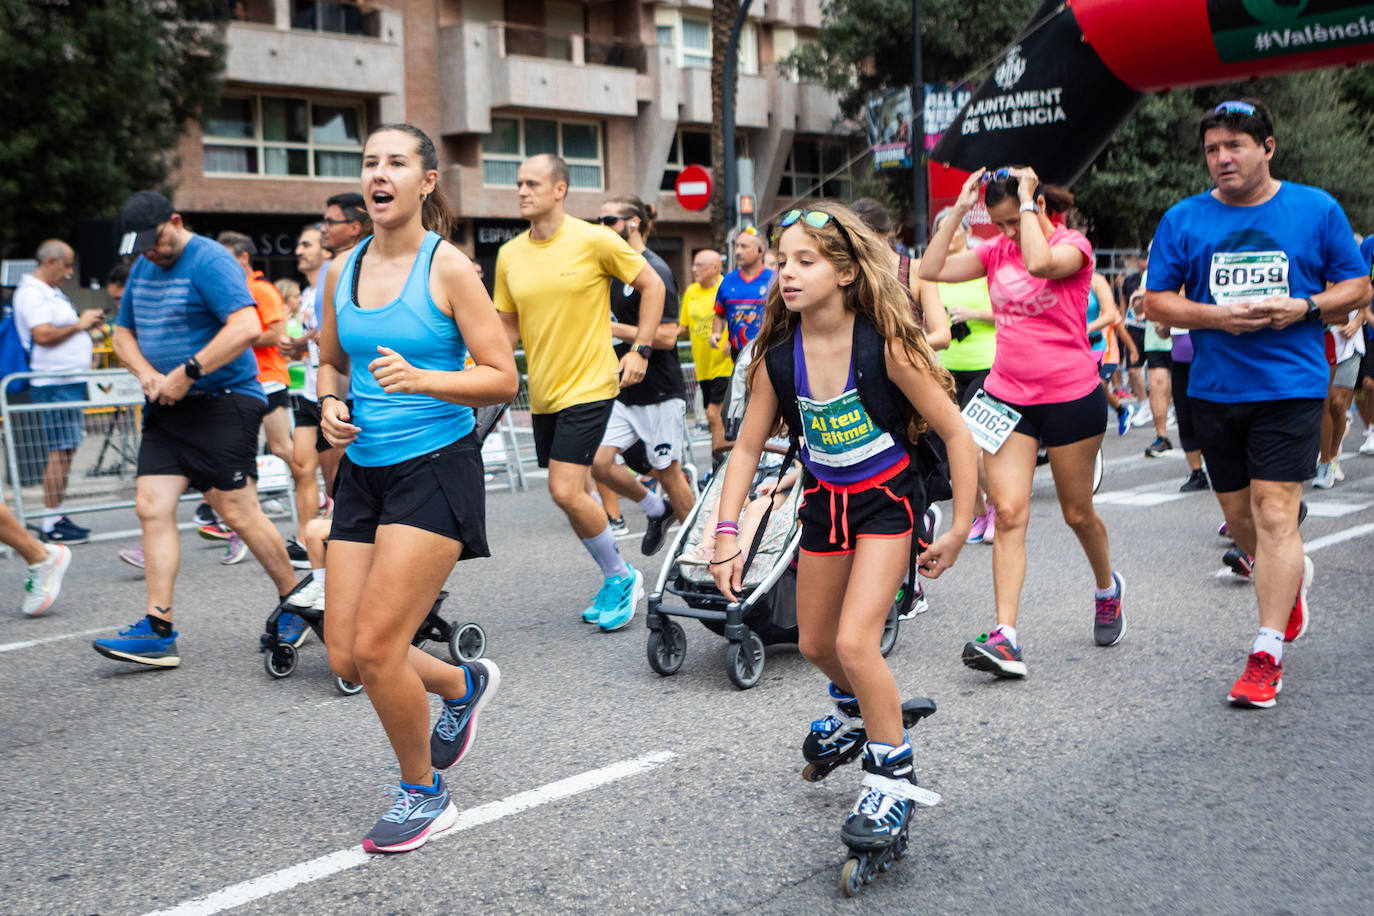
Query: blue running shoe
{"x":413,"y":820}
{"x":593,"y":612}
{"x":138,"y":643}
{"x":292,"y":628}
{"x":457,"y":726}
{"x":624,"y":594}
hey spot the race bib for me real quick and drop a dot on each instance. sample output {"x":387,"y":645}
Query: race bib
{"x":839,"y":432}
{"x":990,"y":421}
{"x":1248,"y":276}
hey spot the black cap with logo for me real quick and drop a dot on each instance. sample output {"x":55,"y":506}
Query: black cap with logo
{"x":139,"y":218}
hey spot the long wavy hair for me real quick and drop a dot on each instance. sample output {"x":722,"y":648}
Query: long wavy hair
{"x":876,"y":294}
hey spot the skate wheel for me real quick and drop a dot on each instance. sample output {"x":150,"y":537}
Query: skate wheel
{"x":347,"y":688}
{"x":280,"y":660}
{"x":468,"y":643}
{"x":851,"y":878}
{"x":812,"y":773}
{"x":667,"y":648}
{"x":744,"y":660}
{"x":899,"y":850}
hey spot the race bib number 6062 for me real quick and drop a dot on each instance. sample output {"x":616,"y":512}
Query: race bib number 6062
{"x":1248,"y":276}
{"x":990,"y":421}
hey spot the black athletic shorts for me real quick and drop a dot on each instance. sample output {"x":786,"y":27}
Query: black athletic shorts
{"x":834,"y":517}
{"x":1158,"y":359}
{"x":967,"y":382}
{"x":573,"y":434}
{"x":1183,"y":406}
{"x":1367,"y":363}
{"x":1137,"y":338}
{"x":442,"y":492}
{"x":1064,"y":422}
{"x":714,"y":390}
{"x":280,"y":398}
{"x":1259,"y":440}
{"x":212,"y":440}
{"x":321,"y":443}
{"x":307,"y":411}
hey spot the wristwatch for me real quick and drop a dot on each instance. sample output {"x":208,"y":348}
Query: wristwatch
{"x":193,"y":369}
{"x":1314,"y":311}
{"x":643,"y":350}
{"x":1029,"y":206}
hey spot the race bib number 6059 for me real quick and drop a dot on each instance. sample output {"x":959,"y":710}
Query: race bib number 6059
{"x":1248,"y":276}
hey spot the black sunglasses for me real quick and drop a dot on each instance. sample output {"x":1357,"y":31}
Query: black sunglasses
{"x":816,"y":219}
{"x":610,"y":220}
{"x":337,"y":222}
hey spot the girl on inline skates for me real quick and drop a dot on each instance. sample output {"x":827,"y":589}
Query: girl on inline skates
{"x":861,"y":489}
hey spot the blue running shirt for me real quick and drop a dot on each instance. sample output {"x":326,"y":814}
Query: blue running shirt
{"x":1291,"y":245}
{"x":175,"y":312}
{"x":741,"y":303}
{"x":398,"y":427}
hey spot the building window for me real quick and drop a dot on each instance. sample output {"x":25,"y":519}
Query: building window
{"x":512,"y":140}
{"x":816,"y":168}
{"x":690,"y":38}
{"x":335,"y":16}
{"x":695,"y":50}
{"x":270,"y":135}
{"x":690,"y":147}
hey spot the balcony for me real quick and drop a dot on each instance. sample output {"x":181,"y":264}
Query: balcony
{"x":751,"y":98}
{"x":269,"y":55}
{"x":806,"y":13}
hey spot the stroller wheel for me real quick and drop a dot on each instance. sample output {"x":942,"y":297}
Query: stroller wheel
{"x":280,"y":660}
{"x":468,"y":643}
{"x":347,"y":688}
{"x":890,"y":629}
{"x":667,"y":648}
{"x":744,"y":660}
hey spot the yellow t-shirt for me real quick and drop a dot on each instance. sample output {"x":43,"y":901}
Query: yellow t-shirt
{"x":559,"y":288}
{"x":698,"y":313}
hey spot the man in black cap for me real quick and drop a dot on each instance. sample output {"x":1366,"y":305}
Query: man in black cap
{"x":184,"y":327}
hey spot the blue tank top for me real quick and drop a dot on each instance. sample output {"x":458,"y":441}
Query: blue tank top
{"x":1096,"y":338}
{"x":840,"y":443}
{"x":398,"y":427}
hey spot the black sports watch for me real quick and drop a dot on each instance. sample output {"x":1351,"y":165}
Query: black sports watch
{"x":643,"y":350}
{"x":1314,"y":311}
{"x":193,"y":369}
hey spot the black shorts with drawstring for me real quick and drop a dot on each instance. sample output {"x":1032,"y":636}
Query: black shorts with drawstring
{"x":835,"y":517}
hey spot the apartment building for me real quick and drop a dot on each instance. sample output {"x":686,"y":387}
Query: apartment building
{"x":619,"y":88}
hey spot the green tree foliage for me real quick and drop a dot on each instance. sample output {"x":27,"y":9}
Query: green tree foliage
{"x":95,"y":94}
{"x":1324,"y":119}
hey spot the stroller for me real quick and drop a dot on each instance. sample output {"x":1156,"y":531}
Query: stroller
{"x":466,"y":641}
{"x":766,"y":613}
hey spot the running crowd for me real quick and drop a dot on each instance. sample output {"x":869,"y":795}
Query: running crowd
{"x":1247,"y":324}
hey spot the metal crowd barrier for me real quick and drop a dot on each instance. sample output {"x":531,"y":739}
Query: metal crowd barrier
{"x":104,"y":466}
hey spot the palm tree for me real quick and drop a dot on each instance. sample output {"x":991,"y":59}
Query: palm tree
{"x":722,"y":20}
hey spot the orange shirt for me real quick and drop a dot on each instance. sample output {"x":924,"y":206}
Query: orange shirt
{"x":271,"y":364}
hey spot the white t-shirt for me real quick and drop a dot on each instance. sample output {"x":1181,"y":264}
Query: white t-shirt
{"x":37,"y":303}
{"x":1347,"y":347}
{"x":310,"y":321}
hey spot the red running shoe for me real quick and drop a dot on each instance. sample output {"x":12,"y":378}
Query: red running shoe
{"x":216,"y":532}
{"x":1301,"y":615}
{"x":1261,"y":682}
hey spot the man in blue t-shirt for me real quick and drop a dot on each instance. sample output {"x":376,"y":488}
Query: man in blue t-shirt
{"x":742,"y":294}
{"x":184,"y":327}
{"x":1253,"y":257}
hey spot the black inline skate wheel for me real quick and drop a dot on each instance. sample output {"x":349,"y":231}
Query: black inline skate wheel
{"x":667,"y":648}
{"x":851,"y":878}
{"x":891,"y":626}
{"x":280,"y":661}
{"x":468,"y":643}
{"x":744,"y":660}
{"x":347,"y":688}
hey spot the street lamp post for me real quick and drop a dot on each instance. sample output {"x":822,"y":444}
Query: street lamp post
{"x":727,"y":115}
{"x":921,"y":228}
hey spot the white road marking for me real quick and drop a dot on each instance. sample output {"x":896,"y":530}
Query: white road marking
{"x":1334,"y":510}
{"x":1129,"y":498}
{"x":335,"y":862}
{"x":30,"y":643}
{"x":1349,"y":534}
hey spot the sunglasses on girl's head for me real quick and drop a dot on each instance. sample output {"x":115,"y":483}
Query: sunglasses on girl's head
{"x":1244,"y":108}
{"x":814,"y":218}
{"x":999,"y":175}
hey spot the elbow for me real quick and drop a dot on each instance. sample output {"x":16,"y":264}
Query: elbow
{"x":510,"y":385}
{"x":1039,"y":270}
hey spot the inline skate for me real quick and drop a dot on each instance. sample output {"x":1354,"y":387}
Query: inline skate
{"x":839,"y":737}
{"x":877,"y":830}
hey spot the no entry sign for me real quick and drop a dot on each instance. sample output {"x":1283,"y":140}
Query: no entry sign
{"x":693,"y":188}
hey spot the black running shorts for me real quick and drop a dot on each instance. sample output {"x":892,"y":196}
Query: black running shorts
{"x":307,"y":411}
{"x":834,"y":518}
{"x":1259,"y":440}
{"x":280,"y":398}
{"x":714,"y":390}
{"x":1065,"y":422}
{"x":1158,"y":359}
{"x":212,"y":440}
{"x":572,"y":434}
{"x":442,"y":492}
{"x":967,"y":383}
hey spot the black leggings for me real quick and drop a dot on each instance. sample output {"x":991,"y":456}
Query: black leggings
{"x":1183,"y":407}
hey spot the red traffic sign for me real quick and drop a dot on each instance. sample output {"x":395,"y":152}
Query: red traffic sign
{"x":693,"y":187}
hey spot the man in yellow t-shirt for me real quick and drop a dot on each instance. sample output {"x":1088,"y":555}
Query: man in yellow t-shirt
{"x":713,"y":364}
{"x":553,"y":292}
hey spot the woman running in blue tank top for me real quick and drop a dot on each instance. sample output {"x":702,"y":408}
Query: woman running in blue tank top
{"x":402,"y":312}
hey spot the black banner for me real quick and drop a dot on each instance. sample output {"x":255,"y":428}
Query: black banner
{"x":1051,"y":104}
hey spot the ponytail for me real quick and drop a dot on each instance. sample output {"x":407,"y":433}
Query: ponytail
{"x":637,"y":209}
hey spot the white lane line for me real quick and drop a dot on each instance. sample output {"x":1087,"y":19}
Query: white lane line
{"x":1334,"y":510}
{"x":335,"y":862}
{"x":1349,"y":534}
{"x":30,"y":643}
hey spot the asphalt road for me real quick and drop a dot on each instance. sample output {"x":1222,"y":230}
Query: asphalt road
{"x":1110,"y":780}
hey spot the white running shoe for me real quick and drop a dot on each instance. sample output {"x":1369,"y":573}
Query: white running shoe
{"x":1143,"y":416}
{"x":45,"y":580}
{"x":1324,"y":480}
{"x":311,"y":595}
{"x":1367,"y":447}
{"x":1336,"y":473}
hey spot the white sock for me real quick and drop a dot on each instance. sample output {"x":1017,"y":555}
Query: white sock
{"x":318,"y":575}
{"x":1270,"y":641}
{"x":1009,"y":633}
{"x":653,"y":504}
{"x":50,"y":521}
{"x":1108,"y":592}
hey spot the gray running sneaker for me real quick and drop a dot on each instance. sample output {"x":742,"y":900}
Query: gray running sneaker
{"x":415,"y":818}
{"x":1108,"y":623}
{"x":457,"y":726}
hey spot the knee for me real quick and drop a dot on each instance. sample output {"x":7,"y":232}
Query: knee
{"x":342,"y":663}
{"x":237,"y":510}
{"x":853,"y":652}
{"x":372,"y":653}
{"x":149,"y":508}
{"x":565,"y":496}
{"x":815,"y":651}
{"x":1011,"y":516}
{"x":1079,"y":517}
